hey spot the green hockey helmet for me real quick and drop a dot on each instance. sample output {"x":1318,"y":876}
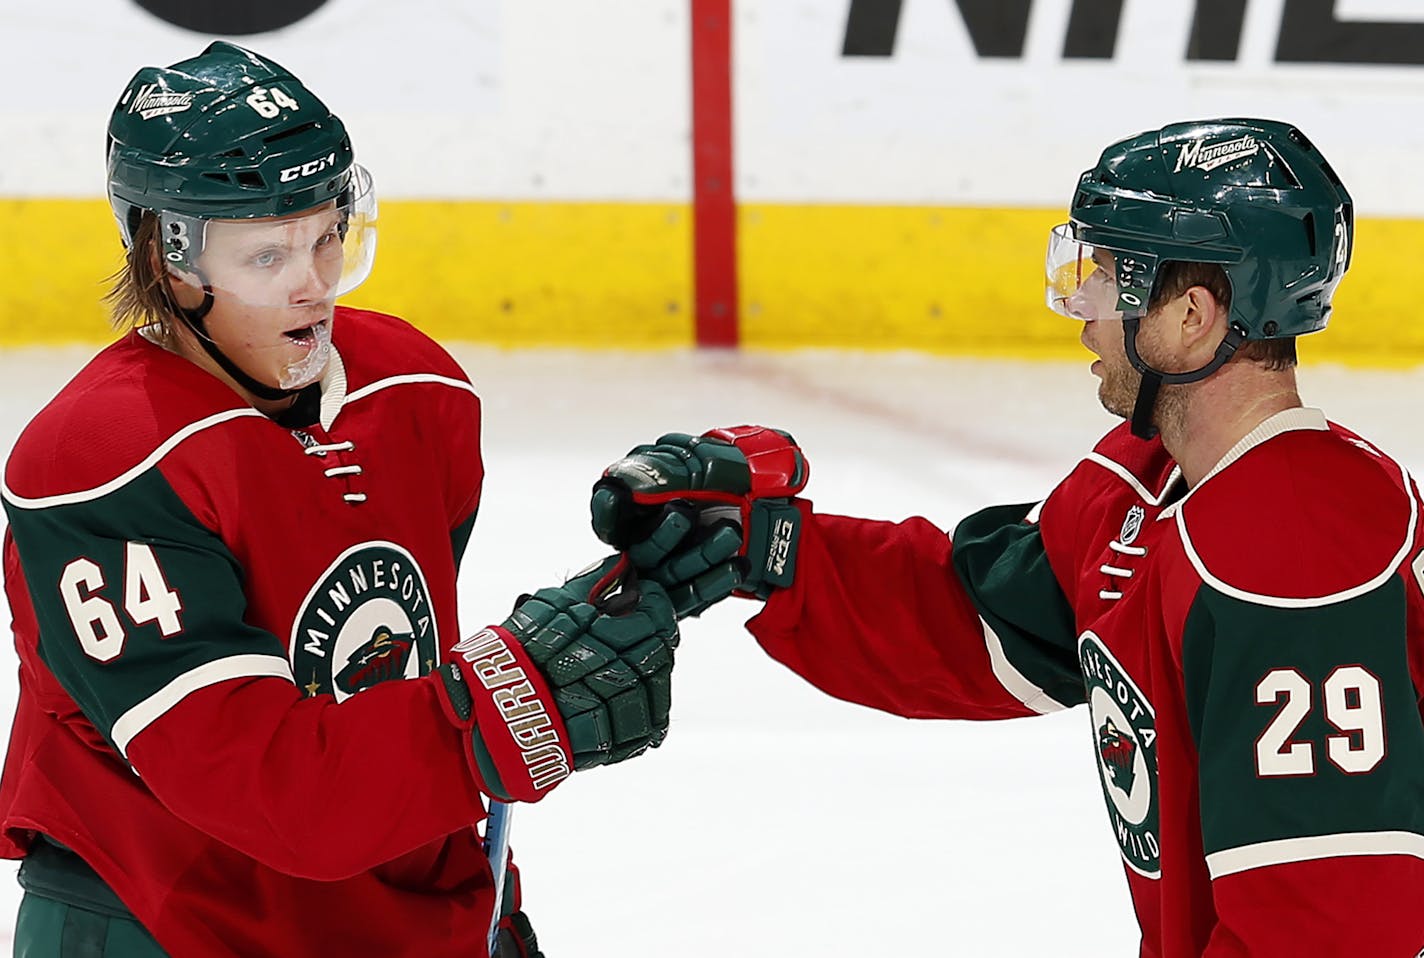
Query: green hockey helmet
{"x":229,"y":136}
{"x":1254,"y":196}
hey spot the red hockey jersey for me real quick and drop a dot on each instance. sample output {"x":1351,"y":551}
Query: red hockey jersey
{"x":199,"y":596}
{"x":1251,"y":652}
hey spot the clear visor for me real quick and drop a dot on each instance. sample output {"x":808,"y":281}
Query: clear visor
{"x":307,"y":258}
{"x":1088,"y":282}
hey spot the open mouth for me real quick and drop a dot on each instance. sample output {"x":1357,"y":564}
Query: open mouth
{"x":305,"y":335}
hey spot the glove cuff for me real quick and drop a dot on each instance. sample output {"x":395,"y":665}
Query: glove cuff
{"x":775,"y":462}
{"x":519,"y":743}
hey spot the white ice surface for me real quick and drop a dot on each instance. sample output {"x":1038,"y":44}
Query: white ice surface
{"x":777,"y":821}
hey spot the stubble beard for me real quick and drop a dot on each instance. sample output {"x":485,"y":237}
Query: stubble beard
{"x":1118,"y":390}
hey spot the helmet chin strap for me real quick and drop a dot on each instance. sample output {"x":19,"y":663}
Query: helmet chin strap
{"x":193,"y":319}
{"x":1152,"y":379}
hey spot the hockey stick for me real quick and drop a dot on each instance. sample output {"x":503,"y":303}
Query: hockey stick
{"x":621,"y":588}
{"x":497,"y":850}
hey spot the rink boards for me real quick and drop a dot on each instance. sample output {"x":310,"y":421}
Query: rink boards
{"x":619,"y":275}
{"x":897,"y":165}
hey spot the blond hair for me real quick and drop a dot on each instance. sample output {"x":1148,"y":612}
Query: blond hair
{"x":137,"y":296}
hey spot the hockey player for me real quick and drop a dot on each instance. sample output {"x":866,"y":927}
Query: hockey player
{"x":1229,"y":582}
{"x":231,"y":536}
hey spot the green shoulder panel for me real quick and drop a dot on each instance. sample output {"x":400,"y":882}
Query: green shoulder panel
{"x":131,"y":593}
{"x":460,"y":537}
{"x":1306,"y":720}
{"x":1002,"y":563}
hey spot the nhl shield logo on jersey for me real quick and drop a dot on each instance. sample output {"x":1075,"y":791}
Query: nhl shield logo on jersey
{"x":366,"y":620}
{"x":1125,"y":737}
{"x":1131,"y":525}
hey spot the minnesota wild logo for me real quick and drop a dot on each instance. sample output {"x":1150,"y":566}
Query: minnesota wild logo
{"x":382,"y":658}
{"x":1125,"y":737}
{"x":367,"y":620}
{"x":1117,"y":752}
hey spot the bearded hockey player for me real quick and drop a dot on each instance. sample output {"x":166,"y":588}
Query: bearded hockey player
{"x":245,"y":726}
{"x":1229,"y":582}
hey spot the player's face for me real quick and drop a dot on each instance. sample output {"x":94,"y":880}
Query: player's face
{"x":274,"y":284}
{"x":1119,"y":381}
{"x":282,"y":261}
{"x":1082,"y":284}
{"x":274,"y":281}
{"x":1094,"y":303}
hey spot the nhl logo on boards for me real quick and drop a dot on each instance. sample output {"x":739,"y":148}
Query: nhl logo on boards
{"x":367,"y":620}
{"x":1124,"y":739}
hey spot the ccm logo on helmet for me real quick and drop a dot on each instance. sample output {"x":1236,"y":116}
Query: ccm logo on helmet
{"x":307,"y":169}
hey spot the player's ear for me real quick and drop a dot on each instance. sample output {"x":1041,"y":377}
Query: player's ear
{"x":1203,"y":320}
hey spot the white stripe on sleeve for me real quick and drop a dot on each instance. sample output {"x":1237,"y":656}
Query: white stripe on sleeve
{"x":148,"y":711}
{"x":1014,"y":681}
{"x":1349,"y":844}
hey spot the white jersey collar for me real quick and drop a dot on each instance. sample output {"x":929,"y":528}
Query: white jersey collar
{"x":1288,"y":420}
{"x":333,"y":389}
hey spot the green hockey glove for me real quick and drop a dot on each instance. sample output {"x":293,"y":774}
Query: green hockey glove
{"x":677,"y":506}
{"x":703,"y":568}
{"x":577,"y":676}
